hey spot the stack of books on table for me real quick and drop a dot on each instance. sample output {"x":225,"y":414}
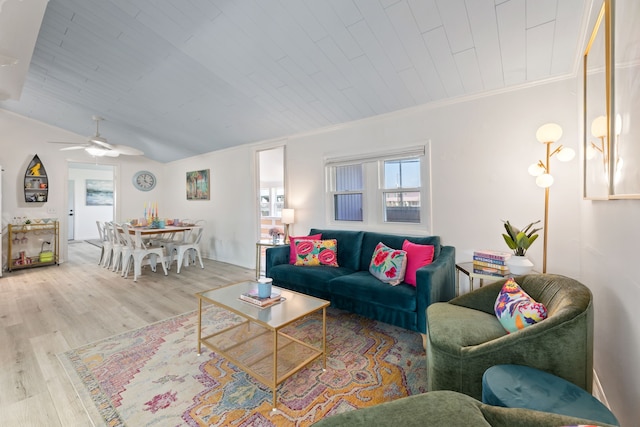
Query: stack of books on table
{"x":491,"y":263}
{"x":252,"y":298}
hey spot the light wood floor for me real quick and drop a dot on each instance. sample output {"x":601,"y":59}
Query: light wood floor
{"x":48,"y":310}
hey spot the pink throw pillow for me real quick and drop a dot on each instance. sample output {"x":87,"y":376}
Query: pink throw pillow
{"x":292,"y":244}
{"x":417,"y":256}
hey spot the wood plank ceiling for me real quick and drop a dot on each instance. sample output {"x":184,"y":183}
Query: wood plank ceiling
{"x":177,"y":78}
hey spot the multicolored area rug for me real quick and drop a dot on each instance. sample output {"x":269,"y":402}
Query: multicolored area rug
{"x":152,"y":376}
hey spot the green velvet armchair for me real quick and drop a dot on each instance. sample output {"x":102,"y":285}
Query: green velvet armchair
{"x":465,"y":338}
{"x":447,"y":409}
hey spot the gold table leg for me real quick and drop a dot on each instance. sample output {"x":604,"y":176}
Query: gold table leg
{"x":199,"y":324}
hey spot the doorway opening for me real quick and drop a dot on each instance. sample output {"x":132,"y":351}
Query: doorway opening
{"x":91,"y":198}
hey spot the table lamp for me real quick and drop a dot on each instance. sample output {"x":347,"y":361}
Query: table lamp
{"x":287,"y":218}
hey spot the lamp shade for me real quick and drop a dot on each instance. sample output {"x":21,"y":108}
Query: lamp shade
{"x":545,"y":180}
{"x":550,"y":132}
{"x":535,"y":169}
{"x":287,"y":216}
{"x":599,"y":127}
{"x":566,"y":154}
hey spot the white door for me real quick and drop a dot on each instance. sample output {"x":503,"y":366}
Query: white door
{"x":71,"y":210}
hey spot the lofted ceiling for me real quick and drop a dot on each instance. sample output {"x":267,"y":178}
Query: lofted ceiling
{"x":178,"y":78}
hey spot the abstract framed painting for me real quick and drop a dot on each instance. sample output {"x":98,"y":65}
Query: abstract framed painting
{"x":198,"y":185}
{"x":99,"y":192}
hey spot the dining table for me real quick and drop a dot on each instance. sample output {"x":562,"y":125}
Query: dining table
{"x":142,"y":232}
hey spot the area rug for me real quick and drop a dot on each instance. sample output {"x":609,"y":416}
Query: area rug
{"x":152,"y":376}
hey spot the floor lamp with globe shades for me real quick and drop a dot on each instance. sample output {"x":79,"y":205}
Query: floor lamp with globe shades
{"x":548,"y":134}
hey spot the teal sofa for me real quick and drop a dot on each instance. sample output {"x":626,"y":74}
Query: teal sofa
{"x":448,"y":409}
{"x":351,"y":287}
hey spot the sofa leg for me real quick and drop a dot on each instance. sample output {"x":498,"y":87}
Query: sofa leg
{"x":424,"y":341}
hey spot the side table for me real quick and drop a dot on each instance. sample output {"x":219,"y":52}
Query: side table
{"x":265,"y":243}
{"x":467,"y":269}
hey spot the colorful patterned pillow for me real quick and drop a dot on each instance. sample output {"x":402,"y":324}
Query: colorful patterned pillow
{"x":515,"y":309}
{"x":292,"y":244}
{"x":317,"y":252}
{"x":388,"y":265}
{"x":417,"y":256}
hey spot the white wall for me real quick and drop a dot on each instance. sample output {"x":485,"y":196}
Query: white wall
{"x":480,"y":153}
{"x":21,"y":138}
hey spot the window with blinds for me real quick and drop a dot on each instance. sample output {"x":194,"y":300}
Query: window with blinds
{"x":380,"y":188}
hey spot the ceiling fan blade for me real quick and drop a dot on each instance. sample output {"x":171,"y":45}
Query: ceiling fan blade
{"x":77,"y":147}
{"x":128,"y":151}
{"x":80,"y":144}
{"x":111,"y":153}
{"x":98,"y":140}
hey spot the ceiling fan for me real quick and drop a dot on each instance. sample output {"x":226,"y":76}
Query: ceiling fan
{"x":98,"y":146}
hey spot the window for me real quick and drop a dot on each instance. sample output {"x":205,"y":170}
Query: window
{"x":401,"y":190}
{"x":347,"y":197}
{"x":383,"y":188}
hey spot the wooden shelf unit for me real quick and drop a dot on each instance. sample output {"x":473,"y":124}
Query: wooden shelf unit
{"x":36,"y":183}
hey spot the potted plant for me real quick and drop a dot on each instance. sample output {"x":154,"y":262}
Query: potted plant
{"x":519,"y":242}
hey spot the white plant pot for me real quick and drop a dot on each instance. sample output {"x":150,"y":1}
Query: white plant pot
{"x":519,"y":265}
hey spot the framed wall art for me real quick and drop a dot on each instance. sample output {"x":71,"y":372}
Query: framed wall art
{"x":99,"y":192}
{"x":597,"y":107}
{"x":625,"y":127}
{"x":198,"y":185}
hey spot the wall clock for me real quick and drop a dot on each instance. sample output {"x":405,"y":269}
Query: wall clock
{"x":144,"y":180}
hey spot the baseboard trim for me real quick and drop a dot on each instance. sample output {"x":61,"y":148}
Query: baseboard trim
{"x":598,"y":391}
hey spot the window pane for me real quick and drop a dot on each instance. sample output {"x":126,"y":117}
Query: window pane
{"x":402,"y":206}
{"x":349,"y":178}
{"x":402,"y":173}
{"x":348,"y":207}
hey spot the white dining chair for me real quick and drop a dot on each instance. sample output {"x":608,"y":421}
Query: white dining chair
{"x":117,"y":246}
{"x":138,"y":252}
{"x":187,"y":250}
{"x":105,"y":244}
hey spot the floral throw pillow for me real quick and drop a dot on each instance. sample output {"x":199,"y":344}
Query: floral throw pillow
{"x":317,"y":252}
{"x":388,"y":265}
{"x":292,"y":244}
{"x":515,"y":309}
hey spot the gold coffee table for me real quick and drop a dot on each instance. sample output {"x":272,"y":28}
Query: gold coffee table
{"x":257,"y":345}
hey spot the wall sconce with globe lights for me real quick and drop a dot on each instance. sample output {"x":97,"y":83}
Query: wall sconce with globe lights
{"x":548,"y":134}
{"x":599,"y":129}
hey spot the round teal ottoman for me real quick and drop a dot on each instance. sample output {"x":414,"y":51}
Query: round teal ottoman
{"x":515,"y":386}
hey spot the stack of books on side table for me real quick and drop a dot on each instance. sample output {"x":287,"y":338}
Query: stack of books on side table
{"x":491,"y":263}
{"x":252,"y":298}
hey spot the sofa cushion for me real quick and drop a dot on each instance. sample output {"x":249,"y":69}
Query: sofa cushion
{"x":349,"y":246}
{"x":292,"y":245}
{"x":388,"y":265}
{"x":313,"y":281}
{"x":515,"y":309}
{"x":366,"y":289}
{"x":316,"y":252}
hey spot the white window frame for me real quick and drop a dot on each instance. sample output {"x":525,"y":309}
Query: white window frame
{"x":373,"y":205}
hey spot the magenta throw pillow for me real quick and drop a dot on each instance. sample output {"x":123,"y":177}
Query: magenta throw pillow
{"x":417,"y":256}
{"x":292,"y":245}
